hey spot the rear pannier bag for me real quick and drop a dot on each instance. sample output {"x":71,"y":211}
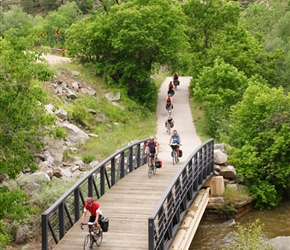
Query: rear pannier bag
{"x":158,"y":164}
{"x":105,"y":224}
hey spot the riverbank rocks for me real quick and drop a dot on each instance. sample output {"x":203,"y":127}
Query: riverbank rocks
{"x":221,"y":166}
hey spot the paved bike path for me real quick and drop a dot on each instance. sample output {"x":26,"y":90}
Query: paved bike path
{"x":183,"y":121}
{"x":130,"y":202}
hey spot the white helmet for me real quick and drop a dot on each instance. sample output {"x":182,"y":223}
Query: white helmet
{"x":151,"y":137}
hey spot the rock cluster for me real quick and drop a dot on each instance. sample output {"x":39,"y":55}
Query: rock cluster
{"x":218,"y":207}
{"x":221,"y":166}
{"x":50,"y":159}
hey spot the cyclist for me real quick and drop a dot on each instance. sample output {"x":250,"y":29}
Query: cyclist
{"x":169,"y":119}
{"x":175,"y":79}
{"x":175,"y":142}
{"x":169,"y":104}
{"x":151,"y":148}
{"x":96,"y":213}
{"x":170,"y":89}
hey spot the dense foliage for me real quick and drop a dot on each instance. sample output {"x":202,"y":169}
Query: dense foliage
{"x":22,"y":115}
{"x":125,"y":45}
{"x":241,"y":95}
{"x":260,"y":135}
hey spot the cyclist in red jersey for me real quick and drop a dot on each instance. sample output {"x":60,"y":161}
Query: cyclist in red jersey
{"x":96,"y":213}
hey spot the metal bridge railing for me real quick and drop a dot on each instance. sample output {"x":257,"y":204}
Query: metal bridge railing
{"x":179,"y":195}
{"x":66,"y":211}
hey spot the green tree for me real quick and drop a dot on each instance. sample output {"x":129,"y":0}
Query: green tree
{"x":23,"y":119}
{"x":205,"y":19}
{"x":260,"y":136}
{"x":18,"y":19}
{"x":259,"y":18}
{"x":217,"y":89}
{"x":125,"y":44}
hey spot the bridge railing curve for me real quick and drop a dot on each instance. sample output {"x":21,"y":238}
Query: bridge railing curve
{"x":66,"y":211}
{"x":179,"y":195}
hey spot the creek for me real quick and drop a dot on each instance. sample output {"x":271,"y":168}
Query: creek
{"x":214,"y":235}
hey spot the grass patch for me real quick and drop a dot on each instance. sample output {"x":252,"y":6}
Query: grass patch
{"x":233,"y":195}
{"x":198,"y":120}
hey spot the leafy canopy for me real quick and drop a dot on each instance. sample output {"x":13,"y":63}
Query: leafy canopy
{"x":125,"y":44}
{"x":260,"y":135}
{"x":22,"y":116}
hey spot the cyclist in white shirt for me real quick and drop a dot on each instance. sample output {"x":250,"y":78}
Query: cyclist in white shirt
{"x":169,"y":118}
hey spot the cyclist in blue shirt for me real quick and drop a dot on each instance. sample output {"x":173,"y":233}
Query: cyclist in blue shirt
{"x":175,"y":142}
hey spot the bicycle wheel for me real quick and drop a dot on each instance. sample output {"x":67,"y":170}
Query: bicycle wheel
{"x":153,"y":168}
{"x":88,"y":243}
{"x":173,"y":156}
{"x":149,"y":172}
{"x":169,"y":128}
{"x":99,"y":239}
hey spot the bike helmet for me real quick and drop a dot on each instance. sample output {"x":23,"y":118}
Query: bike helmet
{"x":151,"y":137}
{"x":169,"y":111}
{"x":89,"y":200}
{"x":169,"y":95}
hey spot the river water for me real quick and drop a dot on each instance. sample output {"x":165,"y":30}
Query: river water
{"x":214,"y":235}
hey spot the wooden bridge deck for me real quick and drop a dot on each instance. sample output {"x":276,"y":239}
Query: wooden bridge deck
{"x":128,"y":205}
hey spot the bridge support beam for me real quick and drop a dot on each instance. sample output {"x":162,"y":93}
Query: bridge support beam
{"x":188,"y":227}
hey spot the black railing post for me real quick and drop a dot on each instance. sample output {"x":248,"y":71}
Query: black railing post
{"x":144,"y":158}
{"x":61,"y":220}
{"x":77,"y":204}
{"x":102,"y":179}
{"x":90,"y":186}
{"x":138,"y":156}
{"x":113,"y":171}
{"x":200,"y":166}
{"x":151,"y":233}
{"x":44,"y":228}
{"x":122,"y":164}
{"x":130,"y":159}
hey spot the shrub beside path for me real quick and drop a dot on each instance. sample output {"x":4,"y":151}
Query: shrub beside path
{"x":183,"y":121}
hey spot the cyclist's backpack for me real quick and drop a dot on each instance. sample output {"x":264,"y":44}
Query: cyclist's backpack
{"x":104,"y":222}
{"x":180,"y":153}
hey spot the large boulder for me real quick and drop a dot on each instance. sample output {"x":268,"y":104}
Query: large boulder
{"x":228,"y":172}
{"x":111,"y":97}
{"x":75,"y":135}
{"x":55,"y":149}
{"x":220,"y":158}
{"x":31,"y":182}
{"x":220,"y":147}
{"x":61,"y":114}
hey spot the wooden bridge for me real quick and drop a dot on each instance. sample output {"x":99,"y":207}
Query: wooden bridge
{"x":144,"y":213}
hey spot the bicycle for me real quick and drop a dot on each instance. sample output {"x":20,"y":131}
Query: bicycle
{"x":92,"y":236}
{"x":174,"y":154}
{"x":151,"y":167}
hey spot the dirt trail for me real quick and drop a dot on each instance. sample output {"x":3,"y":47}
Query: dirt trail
{"x":54,"y":59}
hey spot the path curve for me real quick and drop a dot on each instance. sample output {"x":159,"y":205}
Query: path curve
{"x":54,"y":59}
{"x":183,"y":120}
